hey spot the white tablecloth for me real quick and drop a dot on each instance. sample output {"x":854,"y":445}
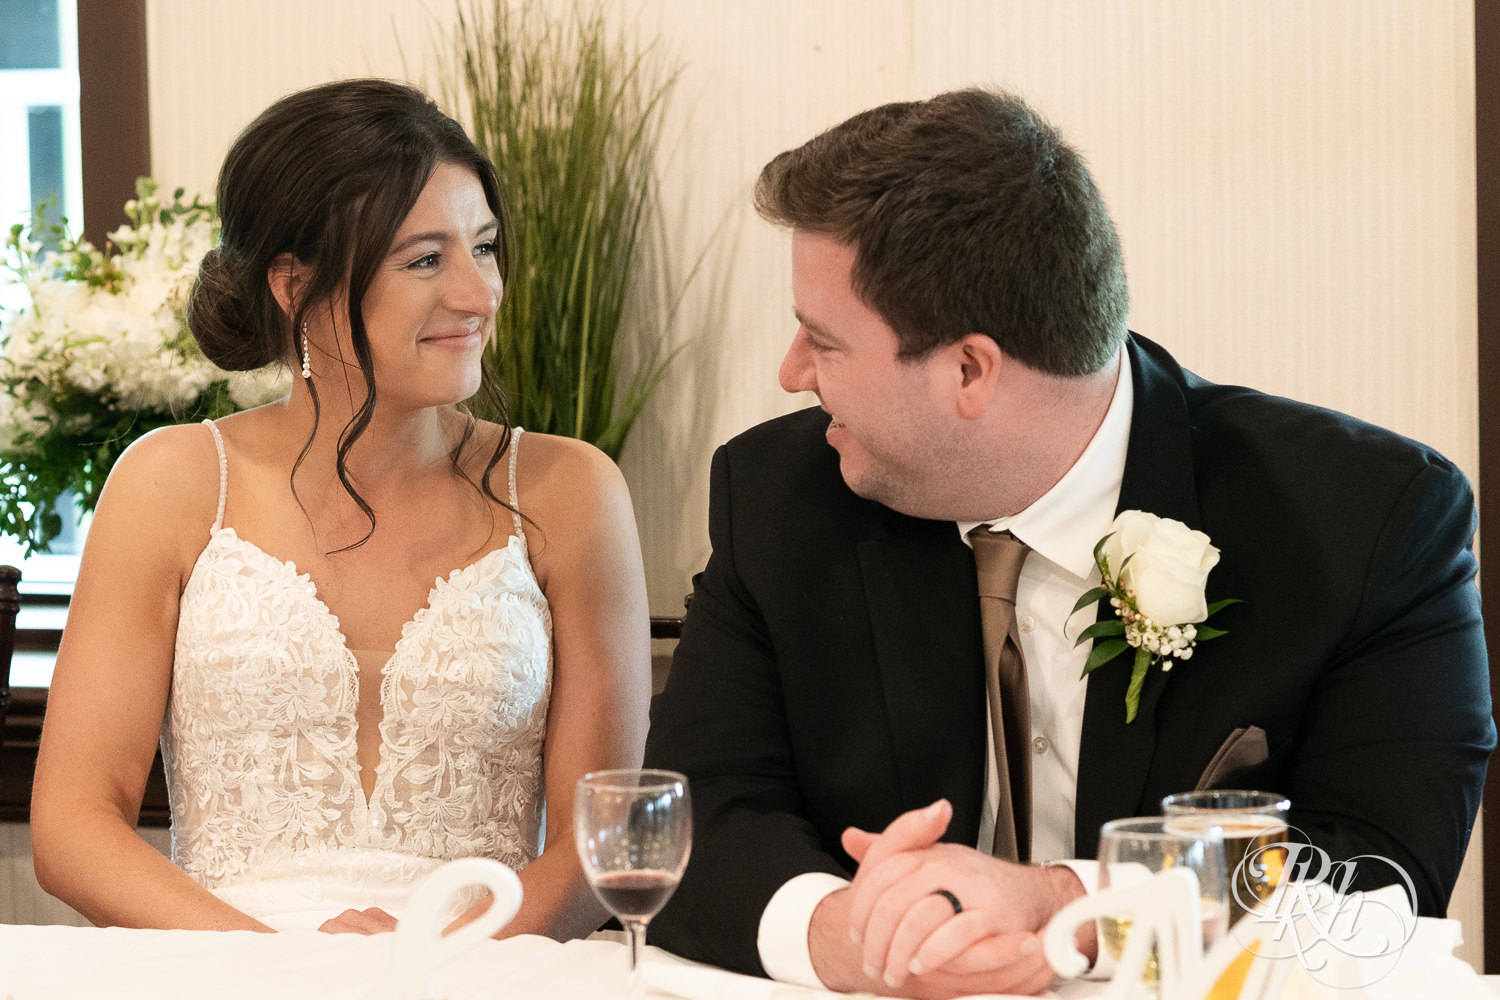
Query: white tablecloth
{"x":84,"y":963}
{"x":78,"y":963}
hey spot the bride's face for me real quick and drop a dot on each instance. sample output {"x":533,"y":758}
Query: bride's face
{"x":431,"y":307}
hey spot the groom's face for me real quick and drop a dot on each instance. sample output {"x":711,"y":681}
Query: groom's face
{"x":886,"y":411}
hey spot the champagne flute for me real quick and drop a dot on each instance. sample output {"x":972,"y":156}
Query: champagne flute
{"x":1132,"y":850}
{"x":634,"y":830}
{"x":1253,"y":823}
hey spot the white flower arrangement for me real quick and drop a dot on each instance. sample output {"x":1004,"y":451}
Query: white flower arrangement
{"x":1154,"y":571}
{"x":101,"y":354}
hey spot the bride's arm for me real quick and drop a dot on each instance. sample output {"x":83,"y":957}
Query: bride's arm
{"x":109,"y":692}
{"x":587,"y":558}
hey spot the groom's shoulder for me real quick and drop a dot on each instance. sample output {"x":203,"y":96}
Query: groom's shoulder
{"x":1251,"y":421}
{"x":1296,"y":461}
{"x":792,"y":448}
{"x":1238,"y":421}
{"x":784,"y":472}
{"x":1284,"y":452}
{"x":801,"y":430}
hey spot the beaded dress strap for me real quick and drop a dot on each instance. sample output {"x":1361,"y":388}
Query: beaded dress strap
{"x":223,"y":473}
{"x":515,"y":504}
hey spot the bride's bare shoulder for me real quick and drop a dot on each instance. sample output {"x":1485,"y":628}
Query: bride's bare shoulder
{"x":561,"y":469}
{"x":172,"y":473}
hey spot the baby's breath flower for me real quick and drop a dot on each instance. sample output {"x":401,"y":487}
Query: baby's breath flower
{"x":1149,"y":538}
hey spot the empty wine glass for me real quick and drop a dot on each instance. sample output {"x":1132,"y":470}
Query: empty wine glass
{"x":634,"y":830}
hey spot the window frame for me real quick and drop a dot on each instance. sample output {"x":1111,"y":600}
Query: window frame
{"x":114,"y":109}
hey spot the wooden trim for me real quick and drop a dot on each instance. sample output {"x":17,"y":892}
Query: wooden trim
{"x":114,"y":119}
{"x":23,"y":729}
{"x":666,"y":628}
{"x":38,"y":640}
{"x":1487,"y":207}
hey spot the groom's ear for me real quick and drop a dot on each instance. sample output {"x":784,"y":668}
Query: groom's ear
{"x":977,"y":361}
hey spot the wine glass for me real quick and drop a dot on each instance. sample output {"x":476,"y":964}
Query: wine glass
{"x":1132,"y":850}
{"x":1254,"y":826}
{"x":634,"y":830}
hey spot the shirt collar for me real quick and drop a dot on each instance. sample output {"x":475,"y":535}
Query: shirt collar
{"x":1066,"y":522}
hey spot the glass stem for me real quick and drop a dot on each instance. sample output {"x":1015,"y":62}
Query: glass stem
{"x":635,"y":932}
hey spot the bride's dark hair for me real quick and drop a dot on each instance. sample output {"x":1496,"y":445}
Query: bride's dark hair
{"x":328,"y":175}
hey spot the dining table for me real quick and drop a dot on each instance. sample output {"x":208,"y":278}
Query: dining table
{"x":86,"y":963}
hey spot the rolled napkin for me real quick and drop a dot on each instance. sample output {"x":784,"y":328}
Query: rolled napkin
{"x":1370,"y":946}
{"x":420,"y":946}
{"x":1308,"y":943}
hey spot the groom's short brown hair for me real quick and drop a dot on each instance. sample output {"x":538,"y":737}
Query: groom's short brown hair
{"x":968,"y":214}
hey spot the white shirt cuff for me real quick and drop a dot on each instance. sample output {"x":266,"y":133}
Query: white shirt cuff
{"x":1088,"y":874}
{"x":782,"y":938}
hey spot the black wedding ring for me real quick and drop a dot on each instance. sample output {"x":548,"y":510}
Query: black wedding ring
{"x":952,"y":900}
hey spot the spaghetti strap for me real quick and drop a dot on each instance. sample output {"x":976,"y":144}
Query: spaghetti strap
{"x":223,"y":473}
{"x":515,"y":504}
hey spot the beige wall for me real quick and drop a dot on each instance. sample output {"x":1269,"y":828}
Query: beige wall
{"x":1293,"y":180}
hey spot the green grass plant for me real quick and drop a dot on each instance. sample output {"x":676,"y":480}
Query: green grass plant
{"x":570,"y":113}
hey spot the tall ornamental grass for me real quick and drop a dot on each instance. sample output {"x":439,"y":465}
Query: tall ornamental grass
{"x":571,"y":117}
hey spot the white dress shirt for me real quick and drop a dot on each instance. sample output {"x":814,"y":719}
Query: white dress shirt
{"x":1062,"y":528}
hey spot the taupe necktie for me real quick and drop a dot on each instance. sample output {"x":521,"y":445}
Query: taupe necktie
{"x":998,"y":557}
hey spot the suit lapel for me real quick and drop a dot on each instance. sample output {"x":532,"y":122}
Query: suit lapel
{"x":922,"y":597}
{"x":1114,"y":757}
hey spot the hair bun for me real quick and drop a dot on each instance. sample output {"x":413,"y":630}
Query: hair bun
{"x":225,"y":315}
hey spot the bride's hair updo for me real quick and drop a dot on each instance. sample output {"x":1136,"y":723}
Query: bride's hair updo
{"x":327,"y":175}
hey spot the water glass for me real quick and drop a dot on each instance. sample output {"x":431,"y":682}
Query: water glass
{"x":1253,"y":826}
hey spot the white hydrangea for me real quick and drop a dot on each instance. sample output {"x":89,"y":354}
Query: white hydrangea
{"x":125,"y":342}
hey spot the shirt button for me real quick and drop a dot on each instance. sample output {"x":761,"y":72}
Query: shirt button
{"x":1027,"y":624}
{"x":1040,"y":745}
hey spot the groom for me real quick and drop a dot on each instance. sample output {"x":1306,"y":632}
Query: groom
{"x":863,"y":690}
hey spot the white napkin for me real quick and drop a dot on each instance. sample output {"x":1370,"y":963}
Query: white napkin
{"x":1369,"y":947}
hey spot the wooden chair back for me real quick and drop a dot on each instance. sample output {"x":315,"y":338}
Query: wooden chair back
{"x":10,"y":604}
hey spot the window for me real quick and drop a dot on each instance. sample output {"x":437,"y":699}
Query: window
{"x":39,"y":111}
{"x":39,"y":121}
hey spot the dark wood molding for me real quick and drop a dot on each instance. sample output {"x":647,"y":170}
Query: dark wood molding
{"x":23,"y":729}
{"x":1487,"y":207}
{"x":114,"y":105}
{"x":666,"y":627}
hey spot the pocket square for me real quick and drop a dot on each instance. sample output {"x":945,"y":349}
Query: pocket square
{"x":1245,"y":748}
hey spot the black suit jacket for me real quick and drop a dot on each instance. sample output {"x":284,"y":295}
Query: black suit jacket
{"x":830,"y":670}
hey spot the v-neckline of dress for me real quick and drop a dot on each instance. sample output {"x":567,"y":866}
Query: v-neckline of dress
{"x":409,"y":628}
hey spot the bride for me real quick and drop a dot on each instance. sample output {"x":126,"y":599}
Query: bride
{"x":371,"y":632}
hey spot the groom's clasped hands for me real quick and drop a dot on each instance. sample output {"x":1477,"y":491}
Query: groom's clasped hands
{"x":930,"y":919}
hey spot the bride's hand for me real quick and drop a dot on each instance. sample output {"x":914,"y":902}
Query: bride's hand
{"x":371,"y":921}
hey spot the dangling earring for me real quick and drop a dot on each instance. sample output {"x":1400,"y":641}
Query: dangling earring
{"x":306,"y":361}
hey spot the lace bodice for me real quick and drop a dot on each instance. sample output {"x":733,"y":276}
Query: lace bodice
{"x":259,"y":735}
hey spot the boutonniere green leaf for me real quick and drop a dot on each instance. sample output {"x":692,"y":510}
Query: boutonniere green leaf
{"x":1154,"y":572}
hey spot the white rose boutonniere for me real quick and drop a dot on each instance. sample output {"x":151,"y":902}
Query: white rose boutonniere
{"x":1154,"y":571}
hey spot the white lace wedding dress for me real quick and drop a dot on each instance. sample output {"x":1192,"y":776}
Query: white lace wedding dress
{"x":259,"y":736}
